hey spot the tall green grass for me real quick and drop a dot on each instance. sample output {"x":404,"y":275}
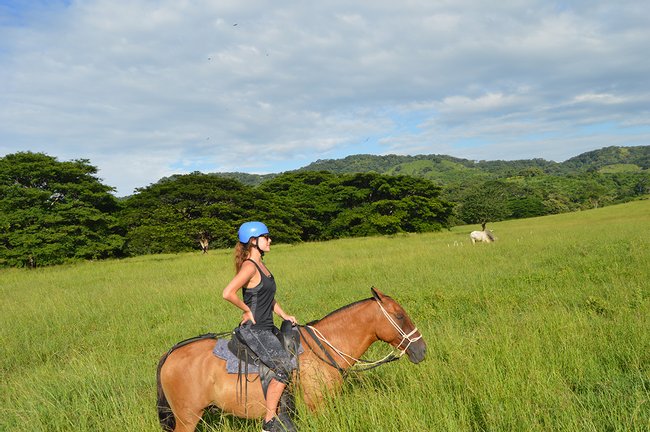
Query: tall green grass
{"x":546,"y":329}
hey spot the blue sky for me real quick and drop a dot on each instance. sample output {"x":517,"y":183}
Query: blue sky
{"x":146,"y":89}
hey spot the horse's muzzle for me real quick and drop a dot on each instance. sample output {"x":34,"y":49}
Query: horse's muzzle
{"x":417,"y":351}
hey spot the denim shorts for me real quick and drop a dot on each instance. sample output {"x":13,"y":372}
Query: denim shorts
{"x":269,"y":349}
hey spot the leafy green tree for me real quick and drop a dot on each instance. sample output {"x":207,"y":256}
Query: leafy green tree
{"x":331,"y":206}
{"x":380,"y":204}
{"x":528,"y":206}
{"x":485,"y":202}
{"x":309,"y":195}
{"x":52,"y":212}
{"x":176,"y":213}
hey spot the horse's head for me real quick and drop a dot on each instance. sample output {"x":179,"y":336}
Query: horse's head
{"x":398,"y":330}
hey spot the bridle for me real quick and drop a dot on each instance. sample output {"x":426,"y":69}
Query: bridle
{"x":405,"y":337}
{"x":366,"y":364}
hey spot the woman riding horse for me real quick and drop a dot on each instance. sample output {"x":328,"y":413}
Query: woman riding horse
{"x":191,"y":378}
{"x":256,"y":327}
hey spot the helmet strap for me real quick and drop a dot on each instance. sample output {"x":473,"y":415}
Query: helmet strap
{"x":257,"y":245}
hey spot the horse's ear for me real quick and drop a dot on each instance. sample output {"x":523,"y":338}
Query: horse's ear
{"x":377,"y":294}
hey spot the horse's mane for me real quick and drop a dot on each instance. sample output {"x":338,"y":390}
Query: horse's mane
{"x":341,"y":309}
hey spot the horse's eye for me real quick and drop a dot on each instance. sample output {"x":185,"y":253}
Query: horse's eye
{"x":399,"y":316}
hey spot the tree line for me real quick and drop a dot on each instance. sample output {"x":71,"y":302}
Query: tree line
{"x":52,"y":212}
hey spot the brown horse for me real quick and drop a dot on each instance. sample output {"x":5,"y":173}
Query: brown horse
{"x":191,"y":377}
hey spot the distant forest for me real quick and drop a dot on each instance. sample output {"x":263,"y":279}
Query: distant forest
{"x":447,"y":170}
{"x":53,"y":212}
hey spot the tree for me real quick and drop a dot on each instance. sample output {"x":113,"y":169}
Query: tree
{"x":380,"y":204}
{"x":52,"y":212}
{"x":309,"y":195}
{"x":485,"y":202}
{"x":176,"y":213}
{"x":331,"y":206}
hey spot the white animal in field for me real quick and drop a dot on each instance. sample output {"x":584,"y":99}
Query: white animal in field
{"x":482,"y":236}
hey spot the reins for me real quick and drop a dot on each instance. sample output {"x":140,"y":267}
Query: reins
{"x":318,"y":337}
{"x":330,"y":361}
{"x":366,"y":364}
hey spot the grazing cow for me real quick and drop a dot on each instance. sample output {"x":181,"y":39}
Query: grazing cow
{"x":482,"y":236}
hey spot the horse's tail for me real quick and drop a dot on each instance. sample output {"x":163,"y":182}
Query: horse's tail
{"x":165,"y":414}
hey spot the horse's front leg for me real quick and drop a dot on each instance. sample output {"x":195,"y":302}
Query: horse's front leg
{"x":187,"y":420}
{"x":317,"y":380}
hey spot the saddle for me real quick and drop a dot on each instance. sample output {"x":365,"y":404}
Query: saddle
{"x":288,"y":335}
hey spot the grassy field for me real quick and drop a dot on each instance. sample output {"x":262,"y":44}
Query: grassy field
{"x":548,"y":329}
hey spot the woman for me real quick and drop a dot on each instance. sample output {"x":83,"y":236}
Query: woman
{"x":256,"y":328}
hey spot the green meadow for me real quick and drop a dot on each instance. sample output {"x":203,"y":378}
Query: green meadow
{"x":548,"y":329}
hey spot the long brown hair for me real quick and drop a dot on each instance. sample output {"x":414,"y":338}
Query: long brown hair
{"x":242,"y":252}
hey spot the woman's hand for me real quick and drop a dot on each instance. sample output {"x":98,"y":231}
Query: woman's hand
{"x":278,"y":310}
{"x":291,"y":318}
{"x":247,"y":316}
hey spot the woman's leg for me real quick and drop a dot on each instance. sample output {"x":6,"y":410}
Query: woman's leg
{"x":273,"y":394}
{"x":271,"y":352}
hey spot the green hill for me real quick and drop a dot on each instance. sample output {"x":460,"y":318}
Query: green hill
{"x":599,"y":159}
{"x":449,"y":170}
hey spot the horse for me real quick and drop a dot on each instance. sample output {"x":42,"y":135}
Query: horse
{"x":191,"y":378}
{"x":482,"y":236}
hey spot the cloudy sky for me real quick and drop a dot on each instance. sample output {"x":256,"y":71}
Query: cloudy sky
{"x":148,"y":88}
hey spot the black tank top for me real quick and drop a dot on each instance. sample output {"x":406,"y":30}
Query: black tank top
{"x":261,"y":300}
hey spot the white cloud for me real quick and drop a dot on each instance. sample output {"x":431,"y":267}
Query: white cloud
{"x":485,"y":103}
{"x":602,"y":98}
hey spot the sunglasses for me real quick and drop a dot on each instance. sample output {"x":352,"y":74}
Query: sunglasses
{"x":266,"y":236}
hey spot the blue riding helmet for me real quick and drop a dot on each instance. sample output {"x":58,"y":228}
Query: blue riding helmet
{"x":251,"y":229}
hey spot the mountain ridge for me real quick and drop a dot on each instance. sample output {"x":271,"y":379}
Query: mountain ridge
{"x":446,"y":169}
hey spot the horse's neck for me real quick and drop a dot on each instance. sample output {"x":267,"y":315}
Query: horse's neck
{"x":351,"y":330}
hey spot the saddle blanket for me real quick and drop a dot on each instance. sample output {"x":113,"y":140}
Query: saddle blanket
{"x":232,"y":362}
